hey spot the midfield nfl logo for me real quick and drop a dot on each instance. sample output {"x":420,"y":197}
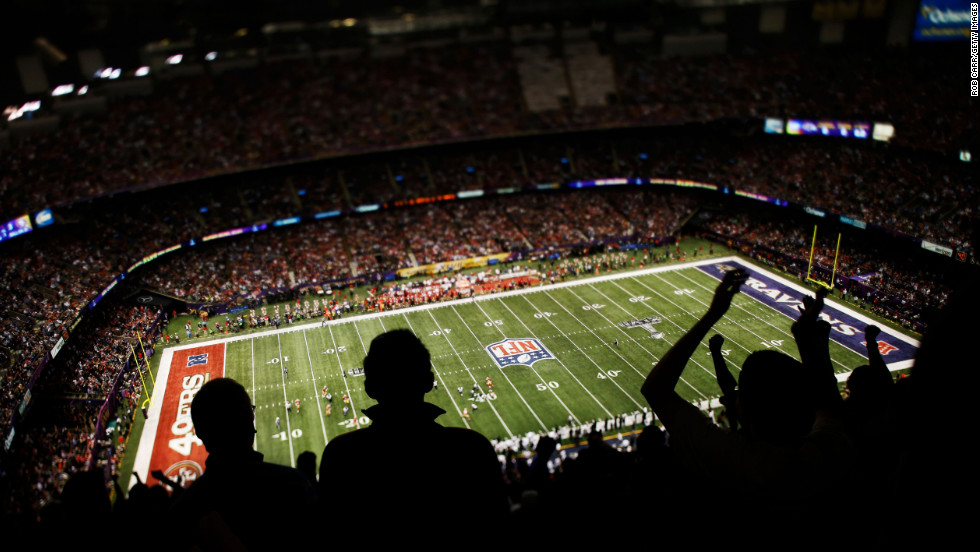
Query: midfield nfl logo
{"x":520,"y":350}
{"x":646,"y":324}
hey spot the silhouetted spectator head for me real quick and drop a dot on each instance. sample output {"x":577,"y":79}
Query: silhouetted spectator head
{"x":306,"y":463}
{"x":771,"y":398}
{"x":865,"y":383}
{"x":223,"y":416}
{"x":397,"y":368}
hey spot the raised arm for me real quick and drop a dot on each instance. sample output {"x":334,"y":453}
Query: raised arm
{"x":726,"y":381}
{"x":659,"y":387}
{"x":813,"y":341}
{"x":875,"y":360}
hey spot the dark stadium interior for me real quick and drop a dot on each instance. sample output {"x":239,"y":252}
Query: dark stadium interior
{"x":348,"y":141}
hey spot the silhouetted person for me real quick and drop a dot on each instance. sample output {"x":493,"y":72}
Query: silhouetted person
{"x":240,"y":499}
{"x":778,"y":471}
{"x":404,"y":467}
{"x":306,"y":463}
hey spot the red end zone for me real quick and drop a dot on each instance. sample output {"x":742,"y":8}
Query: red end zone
{"x":176,"y":448}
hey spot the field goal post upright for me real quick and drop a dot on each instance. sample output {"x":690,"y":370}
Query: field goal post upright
{"x":809,"y":268}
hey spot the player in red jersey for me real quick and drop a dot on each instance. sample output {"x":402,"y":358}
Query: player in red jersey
{"x":297,"y":405}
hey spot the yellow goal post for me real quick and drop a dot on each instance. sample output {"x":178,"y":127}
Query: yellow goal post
{"x":809,"y":269}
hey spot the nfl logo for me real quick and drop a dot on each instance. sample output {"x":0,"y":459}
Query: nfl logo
{"x":519,"y":350}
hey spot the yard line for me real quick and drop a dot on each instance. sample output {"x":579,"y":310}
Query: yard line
{"x":499,"y":369}
{"x":438,"y":375}
{"x":784,"y":332}
{"x":663,"y":318}
{"x":732,"y":320}
{"x":716,"y":328}
{"x":602,"y":406}
{"x":489,"y":402}
{"x":603,"y":341}
{"x":255,"y":438}
{"x":359,"y":338}
{"x":289,"y":430}
{"x":320,"y":410}
{"x":628,"y":335}
{"x":350,"y":397}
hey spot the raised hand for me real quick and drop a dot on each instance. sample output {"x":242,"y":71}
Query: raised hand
{"x":726,"y":291}
{"x":715,"y":343}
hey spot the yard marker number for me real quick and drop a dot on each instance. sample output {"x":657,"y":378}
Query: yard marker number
{"x":593,"y":306}
{"x":354,"y":422}
{"x":297,"y":433}
{"x":611,"y":374}
{"x":440,"y":332}
{"x":492,"y":323}
{"x":276,"y":360}
{"x":639,"y":299}
{"x":544,"y":314}
{"x":340,"y":349}
{"x":772,"y":343}
{"x":684,"y":291}
{"x":543,"y":387}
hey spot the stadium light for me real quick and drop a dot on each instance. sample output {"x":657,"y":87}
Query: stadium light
{"x":211,"y":56}
{"x":142,"y":71}
{"x":175,"y":59}
{"x":63,"y":89}
{"x":83,"y":90}
{"x":350,"y":22}
{"x":116,"y":73}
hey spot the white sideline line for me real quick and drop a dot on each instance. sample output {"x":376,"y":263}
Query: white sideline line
{"x":144,"y":451}
{"x":577,"y":282}
{"x":715,"y":327}
{"x":841,"y":376}
{"x":827,"y":302}
{"x":488,"y":297}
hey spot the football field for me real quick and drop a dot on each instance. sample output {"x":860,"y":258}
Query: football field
{"x":578,"y":351}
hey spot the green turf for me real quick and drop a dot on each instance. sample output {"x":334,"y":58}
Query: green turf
{"x":590,"y":378}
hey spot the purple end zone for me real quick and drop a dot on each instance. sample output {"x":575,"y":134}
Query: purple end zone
{"x":846,"y":328}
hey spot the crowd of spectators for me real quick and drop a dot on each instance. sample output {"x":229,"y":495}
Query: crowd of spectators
{"x":59,"y":437}
{"x":199,"y":126}
{"x":901,"y":288}
{"x":883,"y":442}
{"x":302,"y":109}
